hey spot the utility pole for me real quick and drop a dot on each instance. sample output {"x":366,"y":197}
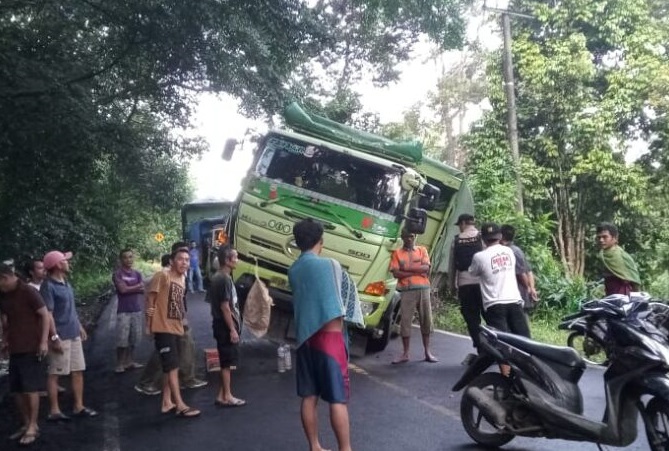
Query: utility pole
{"x":510,"y":93}
{"x":511,"y":116}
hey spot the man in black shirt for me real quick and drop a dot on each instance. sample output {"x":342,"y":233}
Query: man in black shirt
{"x":226,"y":323}
{"x":465,"y":245}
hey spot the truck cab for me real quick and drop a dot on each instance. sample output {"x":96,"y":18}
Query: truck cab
{"x":362,"y":192}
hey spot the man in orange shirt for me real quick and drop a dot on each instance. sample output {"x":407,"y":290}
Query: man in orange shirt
{"x":411,"y":265}
{"x":165,"y":317}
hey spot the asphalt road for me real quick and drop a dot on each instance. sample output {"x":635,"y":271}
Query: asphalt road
{"x":406,"y":407}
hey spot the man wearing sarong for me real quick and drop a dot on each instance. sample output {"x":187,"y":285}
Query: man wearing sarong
{"x":320,"y":309}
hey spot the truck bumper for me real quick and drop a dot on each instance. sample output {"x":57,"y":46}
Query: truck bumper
{"x":373,"y":307}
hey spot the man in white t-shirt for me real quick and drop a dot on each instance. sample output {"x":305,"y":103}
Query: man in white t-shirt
{"x":496,"y":268}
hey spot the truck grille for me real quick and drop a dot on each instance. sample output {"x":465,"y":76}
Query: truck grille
{"x":263,"y":262}
{"x":271,"y":245}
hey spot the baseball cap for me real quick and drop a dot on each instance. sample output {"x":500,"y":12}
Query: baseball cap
{"x":491,"y":231}
{"x":52,"y":258}
{"x":465,"y":217}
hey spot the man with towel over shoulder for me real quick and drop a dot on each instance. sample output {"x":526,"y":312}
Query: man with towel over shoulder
{"x":323,"y":298}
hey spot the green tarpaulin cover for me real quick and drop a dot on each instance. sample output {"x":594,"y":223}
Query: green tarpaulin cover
{"x":328,"y":130}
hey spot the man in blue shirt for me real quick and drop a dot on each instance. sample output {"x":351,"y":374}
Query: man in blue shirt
{"x":67,"y":354}
{"x":194,"y":271}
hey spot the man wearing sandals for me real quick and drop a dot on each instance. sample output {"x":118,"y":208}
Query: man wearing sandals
{"x":165,"y":316}
{"x":410,"y":265}
{"x":129,"y":316}
{"x":66,"y":356}
{"x":25,"y":325}
{"x":226,"y":324}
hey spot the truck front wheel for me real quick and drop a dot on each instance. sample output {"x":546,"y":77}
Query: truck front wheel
{"x":378,"y":344}
{"x":390,"y":328}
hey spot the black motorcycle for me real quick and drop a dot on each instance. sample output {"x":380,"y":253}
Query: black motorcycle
{"x":541,"y":397}
{"x":588,"y":335}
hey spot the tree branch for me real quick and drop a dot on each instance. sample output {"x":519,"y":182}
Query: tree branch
{"x":78,"y":79}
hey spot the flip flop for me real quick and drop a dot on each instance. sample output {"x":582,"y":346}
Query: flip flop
{"x":400,"y":361}
{"x":85,"y":413}
{"x":188,"y":412}
{"x":170,"y":410}
{"x":18,"y":434}
{"x":234,"y":402}
{"x":134,"y":366}
{"x":28,"y":439}
{"x":431,"y":359}
{"x":60,"y":416}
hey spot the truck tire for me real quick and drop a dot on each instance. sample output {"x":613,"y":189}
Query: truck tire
{"x":395,"y":322}
{"x":375,"y":345}
{"x":390,"y":328}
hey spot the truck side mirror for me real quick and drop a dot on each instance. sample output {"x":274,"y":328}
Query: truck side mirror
{"x":428,"y":197}
{"x":229,"y":149}
{"x":416,"y":221}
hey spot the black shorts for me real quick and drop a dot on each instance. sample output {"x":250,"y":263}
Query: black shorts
{"x":166,"y":345}
{"x":228,"y":352}
{"x":508,"y":318}
{"x":27,"y":373}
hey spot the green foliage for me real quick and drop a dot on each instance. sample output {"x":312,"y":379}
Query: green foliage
{"x":583,"y":87}
{"x":147,"y":267}
{"x":543,"y":328}
{"x":449,"y":318}
{"x":364,"y":37}
{"x":90,"y":282}
{"x":659,"y":286}
{"x":139,"y":233}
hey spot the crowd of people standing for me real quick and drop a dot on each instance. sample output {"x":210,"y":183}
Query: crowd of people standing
{"x":43,"y":334}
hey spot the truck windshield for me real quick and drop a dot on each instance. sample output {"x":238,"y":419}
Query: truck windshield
{"x":331,"y":173}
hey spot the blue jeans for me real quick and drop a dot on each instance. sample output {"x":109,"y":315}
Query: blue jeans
{"x":194,"y":273}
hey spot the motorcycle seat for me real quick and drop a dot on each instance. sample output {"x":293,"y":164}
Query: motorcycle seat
{"x":559,"y":354}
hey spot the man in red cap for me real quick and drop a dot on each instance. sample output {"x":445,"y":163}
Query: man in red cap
{"x":66,"y":355}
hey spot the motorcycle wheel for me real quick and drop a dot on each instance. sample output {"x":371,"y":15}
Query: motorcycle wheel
{"x":475,"y":424}
{"x":657,"y":424}
{"x":591,"y":351}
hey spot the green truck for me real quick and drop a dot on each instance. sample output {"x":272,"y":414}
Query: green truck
{"x":364,"y":188}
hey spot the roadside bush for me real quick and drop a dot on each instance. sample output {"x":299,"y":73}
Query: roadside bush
{"x":89,"y":282}
{"x":659,"y":286}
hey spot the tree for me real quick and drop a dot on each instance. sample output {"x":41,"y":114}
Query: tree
{"x":370,"y":37}
{"x":460,"y":88}
{"x":583,"y":85}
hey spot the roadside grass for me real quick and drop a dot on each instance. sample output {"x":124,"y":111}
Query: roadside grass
{"x":543,"y":328}
{"x":90,"y":282}
{"x":147,"y":267}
